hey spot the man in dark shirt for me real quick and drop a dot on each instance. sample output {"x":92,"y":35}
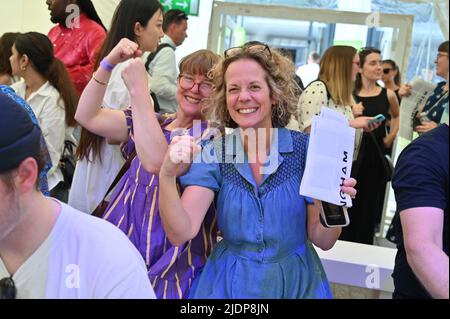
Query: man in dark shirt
{"x":421,"y":190}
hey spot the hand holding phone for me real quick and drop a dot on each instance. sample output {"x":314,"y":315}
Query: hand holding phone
{"x":377,"y":119}
{"x":334,"y":215}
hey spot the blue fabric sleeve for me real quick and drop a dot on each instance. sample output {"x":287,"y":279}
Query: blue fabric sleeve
{"x":205,"y":170}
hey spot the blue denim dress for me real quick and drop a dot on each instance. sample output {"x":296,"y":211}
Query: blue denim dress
{"x":265,"y":252}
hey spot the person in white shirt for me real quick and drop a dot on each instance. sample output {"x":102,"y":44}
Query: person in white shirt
{"x":48,"y":90}
{"x":48,"y":249}
{"x":98,"y":161}
{"x":310,"y":71}
{"x":163,"y":68}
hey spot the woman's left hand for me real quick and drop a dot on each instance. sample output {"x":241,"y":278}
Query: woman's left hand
{"x":135,"y":76}
{"x":349,"y":187}
{"x":426,"y":126}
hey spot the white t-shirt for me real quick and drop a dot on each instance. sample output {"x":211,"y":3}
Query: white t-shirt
{"x":92,"y":179}
{"x":83,"y":257}
{"x":308,"y":73}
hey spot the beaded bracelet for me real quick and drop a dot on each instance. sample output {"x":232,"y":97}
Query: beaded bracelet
{"x":98,"y":81}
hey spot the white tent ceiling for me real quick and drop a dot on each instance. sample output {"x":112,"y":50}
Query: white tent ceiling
{"x":106,"y":9}
{"x":441,"y":11}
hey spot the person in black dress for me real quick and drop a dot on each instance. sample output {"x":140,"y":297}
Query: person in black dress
{"x":368,"y":169}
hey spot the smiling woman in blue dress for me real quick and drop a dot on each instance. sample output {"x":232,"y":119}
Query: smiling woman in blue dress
{"x":267,"y":226}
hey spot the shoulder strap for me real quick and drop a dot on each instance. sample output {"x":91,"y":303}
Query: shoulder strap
{"x":153,"y":55}
{"x":326,"y":87}
{"x":122,"y":172}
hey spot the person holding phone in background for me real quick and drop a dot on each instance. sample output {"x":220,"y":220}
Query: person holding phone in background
{"x":369,"y":167}
{"x":338,"y":70}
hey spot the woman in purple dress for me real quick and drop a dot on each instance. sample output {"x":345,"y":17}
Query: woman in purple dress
{"x":134,"y":205}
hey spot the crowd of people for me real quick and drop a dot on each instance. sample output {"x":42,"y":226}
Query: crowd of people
{"x":188,"y":205}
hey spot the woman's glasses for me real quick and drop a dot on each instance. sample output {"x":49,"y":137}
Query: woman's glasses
{"x":252,"y":46}
{"x":387,"y":70}
{"x":187,"y":83}
{"x":7,"y":288}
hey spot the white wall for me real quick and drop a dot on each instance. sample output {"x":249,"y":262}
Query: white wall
{"x":24,"y":16}
{"x":33,"y":15}
{"x":197,"y":31}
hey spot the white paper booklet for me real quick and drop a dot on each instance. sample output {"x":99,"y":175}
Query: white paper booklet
{"x":329,"y":158}
{"x":420,"y":92}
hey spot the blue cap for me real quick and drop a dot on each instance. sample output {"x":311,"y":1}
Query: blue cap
{"x":19,"y":137}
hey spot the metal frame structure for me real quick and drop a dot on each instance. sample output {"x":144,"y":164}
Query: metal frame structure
{"x":403,"y":23}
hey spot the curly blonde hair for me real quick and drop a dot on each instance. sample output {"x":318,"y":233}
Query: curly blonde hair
{"x":280,"y":77}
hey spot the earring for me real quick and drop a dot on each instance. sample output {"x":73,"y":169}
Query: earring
{"x":280,"y":111}
{"x":23,"y":68}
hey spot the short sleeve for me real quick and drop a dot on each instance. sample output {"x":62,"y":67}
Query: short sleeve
{"x":204,"y":171}
{"x":310,"y":103}
{"x":419,"y":178}
{"x":128,"y":147}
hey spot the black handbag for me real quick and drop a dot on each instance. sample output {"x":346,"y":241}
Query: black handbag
{"x":67,"y":163}
{"x":386,"y":161}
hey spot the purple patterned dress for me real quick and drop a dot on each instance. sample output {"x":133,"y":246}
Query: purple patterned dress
{"x":134,"y":209}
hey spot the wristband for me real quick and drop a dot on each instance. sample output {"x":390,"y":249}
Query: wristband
{"x":106,"y":65}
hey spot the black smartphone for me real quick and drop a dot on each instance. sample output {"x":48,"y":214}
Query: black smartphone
{"x":334,"y":215}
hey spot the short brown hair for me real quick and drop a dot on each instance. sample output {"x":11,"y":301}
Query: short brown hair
{"x":173,"y":16}
{"x":200,"y":62}
{"x":8,"y":177}
{"x":280,"y":77}
{"x":443,"y":47}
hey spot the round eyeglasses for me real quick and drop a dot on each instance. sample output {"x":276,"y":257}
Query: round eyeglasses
{"x":187,"y":83}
